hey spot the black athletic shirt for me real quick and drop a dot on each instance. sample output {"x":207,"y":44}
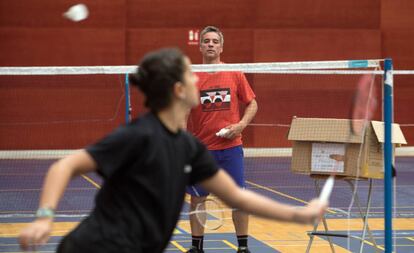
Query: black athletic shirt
{"x":145,"y":168}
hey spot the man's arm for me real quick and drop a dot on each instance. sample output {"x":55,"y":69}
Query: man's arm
{"x":249,"y":113}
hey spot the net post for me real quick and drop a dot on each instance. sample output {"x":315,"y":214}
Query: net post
{"x":388,"y":184}
{"x":127,"y":100}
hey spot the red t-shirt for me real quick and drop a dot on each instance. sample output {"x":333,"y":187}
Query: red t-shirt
{"x":220,"y":94}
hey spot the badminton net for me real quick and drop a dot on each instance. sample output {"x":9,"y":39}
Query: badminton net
{"x":53,"y":110}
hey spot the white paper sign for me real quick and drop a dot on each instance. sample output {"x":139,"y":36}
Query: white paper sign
{"x":328,"y":157}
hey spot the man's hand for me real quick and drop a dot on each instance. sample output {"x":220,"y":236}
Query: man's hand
{"x":234,"y":130}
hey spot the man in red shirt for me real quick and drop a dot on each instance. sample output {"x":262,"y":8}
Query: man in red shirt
{"x":220,"y":95}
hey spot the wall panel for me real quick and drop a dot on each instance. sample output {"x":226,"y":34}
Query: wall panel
{"x":397,"y":14}
{"x":189,"y":13}
{"x":46,"y":13}
{"x":316,"y":44}
{"x":59,"y":112}
{"x":141,"y":41}
{"x":356,"y":14}
{"x":404,"y":104}
{"x":118,"y":32}
{"x":238,"y":46}
{"x":397,"y":23}
{"x":56,"y":47}
{"x":398,"y":44}
{"x":281,"y":97}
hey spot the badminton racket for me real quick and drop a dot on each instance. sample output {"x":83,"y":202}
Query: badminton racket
{"x":363,"y":105}
{"x":211,"y":214}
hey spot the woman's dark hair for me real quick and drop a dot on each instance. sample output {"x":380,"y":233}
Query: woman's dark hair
{"x":156,"y":75}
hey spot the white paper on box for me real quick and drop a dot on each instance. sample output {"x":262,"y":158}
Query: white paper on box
{"x":325,"y":157}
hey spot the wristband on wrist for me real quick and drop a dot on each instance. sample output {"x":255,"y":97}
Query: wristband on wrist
{"x":45,"y":212}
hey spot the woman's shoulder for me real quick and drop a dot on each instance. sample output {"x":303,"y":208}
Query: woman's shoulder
{"x":142,"y":125}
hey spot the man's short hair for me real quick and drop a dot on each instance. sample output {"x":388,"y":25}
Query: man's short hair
{"x":211,"y":28}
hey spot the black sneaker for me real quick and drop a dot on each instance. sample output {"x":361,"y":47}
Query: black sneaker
{"x":243,"y":250}
{"x":195,"y":250}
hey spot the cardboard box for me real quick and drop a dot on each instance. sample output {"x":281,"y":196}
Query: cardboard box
{"x":326,"y":146}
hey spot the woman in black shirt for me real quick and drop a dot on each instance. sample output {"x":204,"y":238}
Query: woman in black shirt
{"x":146,"y":166}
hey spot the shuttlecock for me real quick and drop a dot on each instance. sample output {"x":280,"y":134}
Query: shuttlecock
{"x":222,"y":132}
{"x":77,"y":13}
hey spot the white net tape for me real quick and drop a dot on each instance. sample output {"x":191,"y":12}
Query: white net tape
{"x":272,"y":67}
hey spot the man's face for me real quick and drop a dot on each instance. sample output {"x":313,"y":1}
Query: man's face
{"x":211,"y":46}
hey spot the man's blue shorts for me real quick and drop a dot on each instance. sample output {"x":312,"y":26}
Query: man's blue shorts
{"x":231,"y":160}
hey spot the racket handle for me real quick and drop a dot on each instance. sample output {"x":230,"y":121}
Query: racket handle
{"x":327,"y":189}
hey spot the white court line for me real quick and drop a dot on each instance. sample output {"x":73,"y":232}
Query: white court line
{"x":248,"y":152}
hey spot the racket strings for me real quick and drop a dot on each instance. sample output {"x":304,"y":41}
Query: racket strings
{"x":211,"y":213}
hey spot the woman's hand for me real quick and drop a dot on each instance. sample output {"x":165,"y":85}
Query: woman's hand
{"x":36,"y":233}
{"x":312,"y":212}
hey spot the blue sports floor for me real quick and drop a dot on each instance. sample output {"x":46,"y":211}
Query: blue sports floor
{"x":21,"y":181}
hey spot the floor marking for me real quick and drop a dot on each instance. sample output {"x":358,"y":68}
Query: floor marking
{"x":178,"y":246}
{"x":90,"y":180}
{"x":231,"y":245}
{"x":283,"y":194}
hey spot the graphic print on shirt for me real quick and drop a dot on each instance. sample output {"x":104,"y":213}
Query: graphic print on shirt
{"x":215,"y":99}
